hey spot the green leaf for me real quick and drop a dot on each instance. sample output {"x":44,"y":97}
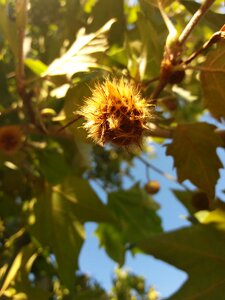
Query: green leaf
{"x":35,"y":65}
{"x":23,"y":261}
{"x":83,"y":201}
{"x":73,"y":100}
{"x":53,"y":165}
{"x":197,"y":250}
{"x":8,"y":28}
{"x":134,"y":213}
{"x":163,"y":2}
{"x":212,"y":81}
{"x":91,"y":295}
{"x":135,"y":218}
{"x":212,"y":19}
{"x":185,"y":198}
{"x":53,"y":223}
{"x":194,"y":152}
{"x":26,"y":292}
{"x":194,"y":201}
{"x":12,"y":272}
{"x":79,"y":57}
{"x":106,"y":10}
{"x":153,"y":34}
{"x":112,"y":241}
{"x":55,"y":220}
{"x":2,"y":228}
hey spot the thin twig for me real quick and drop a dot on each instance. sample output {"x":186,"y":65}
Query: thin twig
{"x":147,"y":173}
{"x":69,"y":123}
{"x":164,"y":174}
{"x":146,"y":83}
{"x":157,"y":91}
{"x":216,"y":37}
{"x":157,"y":131}
{"x":194,"y":21}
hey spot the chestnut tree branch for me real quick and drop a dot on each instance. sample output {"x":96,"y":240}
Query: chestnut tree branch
{"x":194,"y":21}
{"x":172,"y":52}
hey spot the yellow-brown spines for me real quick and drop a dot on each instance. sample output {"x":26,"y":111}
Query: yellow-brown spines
{"x":116,"y":113}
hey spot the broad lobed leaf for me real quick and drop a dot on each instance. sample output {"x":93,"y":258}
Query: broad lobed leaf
{"x":79,"y":57}
{"x":135,"y":214}
{"x":135,"y":218}
{"x":198,"y":250}
{"x":56,"y":217}
{"x":194,"y":151}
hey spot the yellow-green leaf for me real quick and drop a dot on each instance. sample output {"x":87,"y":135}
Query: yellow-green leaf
{"x":54,"y":225}
{"x":35,"y":65}
{"x":22,"y":262}
{"x":79,"y":57}
{"x":12,"y":272}
{"x":8,"y":29}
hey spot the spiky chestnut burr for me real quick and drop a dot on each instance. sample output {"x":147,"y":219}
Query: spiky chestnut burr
{"x":116,"y":113}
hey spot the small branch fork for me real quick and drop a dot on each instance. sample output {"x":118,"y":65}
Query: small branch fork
{"x":70,"y":123}
{"x":172,"y":55}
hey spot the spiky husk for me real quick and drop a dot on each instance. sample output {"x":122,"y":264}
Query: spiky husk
{"x":116,"y":113}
